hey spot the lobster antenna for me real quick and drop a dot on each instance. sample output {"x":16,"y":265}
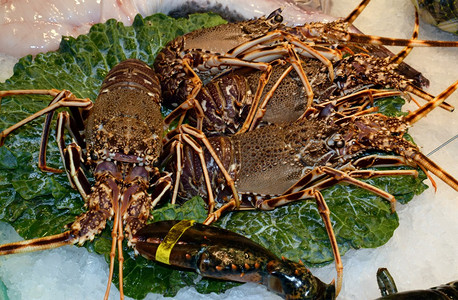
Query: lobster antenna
{"x":380,"y":40}
{"x":356,"y":12}
{"x":425,"y":109}
{"x":398,"y":58}
{"x":423,"y":161}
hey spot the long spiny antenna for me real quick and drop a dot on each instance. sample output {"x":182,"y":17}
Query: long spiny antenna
{"x":398,"y":58}
{"x":380,"y":40}
{"x":356,"y":12}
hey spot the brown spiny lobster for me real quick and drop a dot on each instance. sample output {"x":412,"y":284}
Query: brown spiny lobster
{"x":225,"y":104}
{"x":232,"y":99}
{"x":185,"y":61}
{"x":218,"y":253}
{"x":325,"y":146}
{"x":120,"y":138}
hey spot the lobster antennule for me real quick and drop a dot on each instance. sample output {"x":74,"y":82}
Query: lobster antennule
{"x":425,"y":109}
{"x":44,"y":243}
{"x":423,"y":161}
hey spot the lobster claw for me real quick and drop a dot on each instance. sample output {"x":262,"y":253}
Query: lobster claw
{"x":218,"y":253}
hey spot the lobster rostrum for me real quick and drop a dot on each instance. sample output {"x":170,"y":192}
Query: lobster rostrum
{"x":389,"y":291}
{"x":120,"y":138}
{"x":325,"y":146}
{"x":219,"y":253}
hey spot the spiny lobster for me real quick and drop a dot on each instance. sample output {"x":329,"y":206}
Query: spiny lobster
{"x":184,"y":62}
{"x":232,"y":99}
{"x":120,"y":138}
{"x":325,"y":146}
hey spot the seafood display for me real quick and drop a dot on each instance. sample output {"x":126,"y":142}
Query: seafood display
{"x":219,"y":253}
{"x":352,"y":111}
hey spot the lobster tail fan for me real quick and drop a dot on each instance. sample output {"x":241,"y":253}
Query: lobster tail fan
{"x":423,"y":161}
{"x":38,"y":244}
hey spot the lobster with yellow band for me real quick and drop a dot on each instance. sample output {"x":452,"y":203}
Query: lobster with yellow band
{"x":218,"y":253}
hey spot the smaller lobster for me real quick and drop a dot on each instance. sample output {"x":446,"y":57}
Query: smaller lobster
{"x":120,"y":138}
{"x":228,"y":103}
{"x":219,"y":253}
{"x":389,"y":291}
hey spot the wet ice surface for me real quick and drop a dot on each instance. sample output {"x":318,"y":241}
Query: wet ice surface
{"x":421,"y":254}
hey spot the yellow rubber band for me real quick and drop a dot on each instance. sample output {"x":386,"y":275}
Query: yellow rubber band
{"x":172,"y":237}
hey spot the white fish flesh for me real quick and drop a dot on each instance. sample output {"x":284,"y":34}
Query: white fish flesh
{"x":34,"y":26}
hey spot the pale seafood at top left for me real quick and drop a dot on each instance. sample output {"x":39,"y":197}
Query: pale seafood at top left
{"x":34,"y":26}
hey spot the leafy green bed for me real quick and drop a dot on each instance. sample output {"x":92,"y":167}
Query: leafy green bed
{"x":39,"y":204}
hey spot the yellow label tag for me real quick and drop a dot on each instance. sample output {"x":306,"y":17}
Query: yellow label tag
{"x":172,"y":237}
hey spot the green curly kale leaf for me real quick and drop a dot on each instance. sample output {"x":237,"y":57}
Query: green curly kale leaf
{"x":39,"y":204}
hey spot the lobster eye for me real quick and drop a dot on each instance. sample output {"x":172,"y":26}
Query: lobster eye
{"x":278,"y":18}
{"x":94,"y":156}
{"x":340,"y":144}
{"x":336,"y":141}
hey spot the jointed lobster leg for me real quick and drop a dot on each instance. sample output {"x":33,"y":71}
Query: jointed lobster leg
{"x":72,"y":156}
{"x":252,"y":120}
{"x":185,"y":133}
{"x":177,"y":146}
{"x":244,"y":50}
{"x":61,"y":99}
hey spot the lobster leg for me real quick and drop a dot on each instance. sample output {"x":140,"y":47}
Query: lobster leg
{"x":185,"y":133}
{"x":296,"y":64}
{"x":262,"y":83}
{"x":244,"y":50}
{"x":290,"y":51}
{"x":72,"y":156}
{"x":356,"y":12}
{"x":196,"y":84}
{"x":61,"y":99}
{"x":262,"y":106}
{"x":398,"y":58}
{"x":351,"y":37}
